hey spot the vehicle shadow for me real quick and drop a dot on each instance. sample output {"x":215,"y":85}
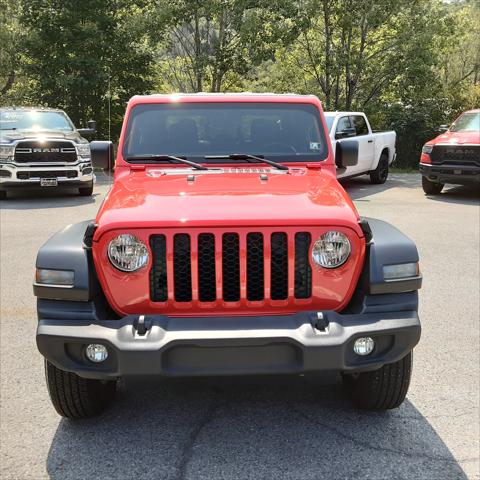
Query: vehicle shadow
{"x":464,"y":194}
{"x":359,"y":187}
{"x":58,"y":198}
{"x":249,"y":428}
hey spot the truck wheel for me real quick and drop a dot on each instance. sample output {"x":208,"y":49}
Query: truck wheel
{"x":75,"y":397}
{"x":380,"y":174}
{"x":86,"y":191}
{"x":381,"y":389}
{"x":431,"y":188}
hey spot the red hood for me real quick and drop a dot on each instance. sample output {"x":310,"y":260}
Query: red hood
{"x":155,"y":197}
{"x":457,"y":138}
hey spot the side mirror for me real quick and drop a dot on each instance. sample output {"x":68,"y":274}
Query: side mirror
{"x":346,"y":154}
{"x":90,"y":130}
{"x":102,"y":155}
{"x":443,"y":128}
{"x":347,"y":132}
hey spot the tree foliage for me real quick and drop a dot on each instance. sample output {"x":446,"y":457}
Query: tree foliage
{"x":85,"y":55}
{"x":211,"y":42}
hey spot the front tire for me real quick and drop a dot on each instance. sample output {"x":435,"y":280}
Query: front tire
{"x":381,"y":389}
{"x":75,"y":397}
{"x":86,"y":191}
{"x":431,"y":188}
{"x":380,"y":174}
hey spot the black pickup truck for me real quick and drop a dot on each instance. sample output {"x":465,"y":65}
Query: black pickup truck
{"x":40,"y":147}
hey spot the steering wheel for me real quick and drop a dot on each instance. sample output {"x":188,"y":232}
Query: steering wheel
{"x":284,"y":146}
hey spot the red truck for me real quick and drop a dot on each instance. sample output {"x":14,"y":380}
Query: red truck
{"x":454,"y":156}
{"x":226,"y":246}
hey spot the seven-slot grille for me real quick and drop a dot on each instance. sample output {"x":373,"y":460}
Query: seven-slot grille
{"x":45,"y":152}
{"x":456,"y":154}
{"x":210,"y":265}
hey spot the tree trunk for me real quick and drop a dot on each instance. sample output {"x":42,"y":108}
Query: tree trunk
{"x":8,"y":84}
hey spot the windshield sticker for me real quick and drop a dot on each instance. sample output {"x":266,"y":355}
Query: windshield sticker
{"x":11,"y":116}
{"x":315,"y":146}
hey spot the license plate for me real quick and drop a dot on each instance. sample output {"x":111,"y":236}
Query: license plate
{"x":48,"y":182}
{"x":457,"y":172}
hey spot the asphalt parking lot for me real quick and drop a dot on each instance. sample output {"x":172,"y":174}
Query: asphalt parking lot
{"x":262,"y":428}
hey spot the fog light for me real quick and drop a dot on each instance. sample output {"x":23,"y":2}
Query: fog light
{"x":363,"y":346}
{"x":96,"y":353}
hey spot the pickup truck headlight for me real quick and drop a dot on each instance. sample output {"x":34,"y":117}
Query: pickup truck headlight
{"x":331,"y":250}
{"x":83,"y":150}
{"x":127,"y":253}
{"x":427,"y":149}
{"x":6,"y":153}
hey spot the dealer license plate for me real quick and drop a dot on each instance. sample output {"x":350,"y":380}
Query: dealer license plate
{"x":457,"y":172}
{"x":48,"y":182}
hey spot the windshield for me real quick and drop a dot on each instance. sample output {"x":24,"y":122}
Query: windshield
{"x":280,"y":131}
{"x":329,"y":119}
{"x":467,"y":122}
{"x":34,"y":120}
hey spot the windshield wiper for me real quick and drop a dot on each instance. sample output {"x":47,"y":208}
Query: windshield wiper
{"x":246,"y":156}
{"x":168,"y":158}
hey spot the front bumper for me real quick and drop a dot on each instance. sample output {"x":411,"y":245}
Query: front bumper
{"x":228,"y":345}
{"x":70,"y":175}
{"x":456,"y":174}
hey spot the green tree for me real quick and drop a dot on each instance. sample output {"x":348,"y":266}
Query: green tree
{"x":211,"y":42}
{"x":82,"y":55}
{"x":11,"y":81}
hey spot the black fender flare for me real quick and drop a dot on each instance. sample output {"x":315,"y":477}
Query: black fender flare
{"x":68,"y":249}
{"x":386,"y":245}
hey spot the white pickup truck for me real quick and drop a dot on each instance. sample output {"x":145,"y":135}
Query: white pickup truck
{"x":376,"y":150}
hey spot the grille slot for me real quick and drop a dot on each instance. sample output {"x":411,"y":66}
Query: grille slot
{"x":303,"y":270}
{"x":158,"y":274}
{"x":279,"y":266}
{"x":47,"y":152}
{"x":207,"y":290}
{"x":182,"y":272}
{"x":255,"y":267}
{"x":231,"y":267}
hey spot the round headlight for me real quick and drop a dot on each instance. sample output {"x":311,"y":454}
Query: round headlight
{"x":331,"y":250}
{"x":127,"y":253}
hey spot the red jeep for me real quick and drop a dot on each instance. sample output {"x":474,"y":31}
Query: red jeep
{"x":453,"y":156}
{"x":226,"y":246}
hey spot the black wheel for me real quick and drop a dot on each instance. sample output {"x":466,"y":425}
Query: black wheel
{"x":86,"y":191}
{"x":76,"y":397}
{"x":380,"y":174}
{"x":431,"y":188}
{"x":3,"y":195}
{"x":381,"y":389}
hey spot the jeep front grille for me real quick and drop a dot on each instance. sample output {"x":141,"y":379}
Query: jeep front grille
{"x":229,"y":266}
{"x":50,"y":151}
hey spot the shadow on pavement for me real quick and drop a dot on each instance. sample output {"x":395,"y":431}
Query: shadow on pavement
{"x":360,"y":187}
{"x":466,"y":195}
{"x":248,"y":428}
{"x":34,"y":199}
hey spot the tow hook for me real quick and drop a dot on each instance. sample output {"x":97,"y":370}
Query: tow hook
{"x":319,"y":322}
{"x":142,"y":325}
